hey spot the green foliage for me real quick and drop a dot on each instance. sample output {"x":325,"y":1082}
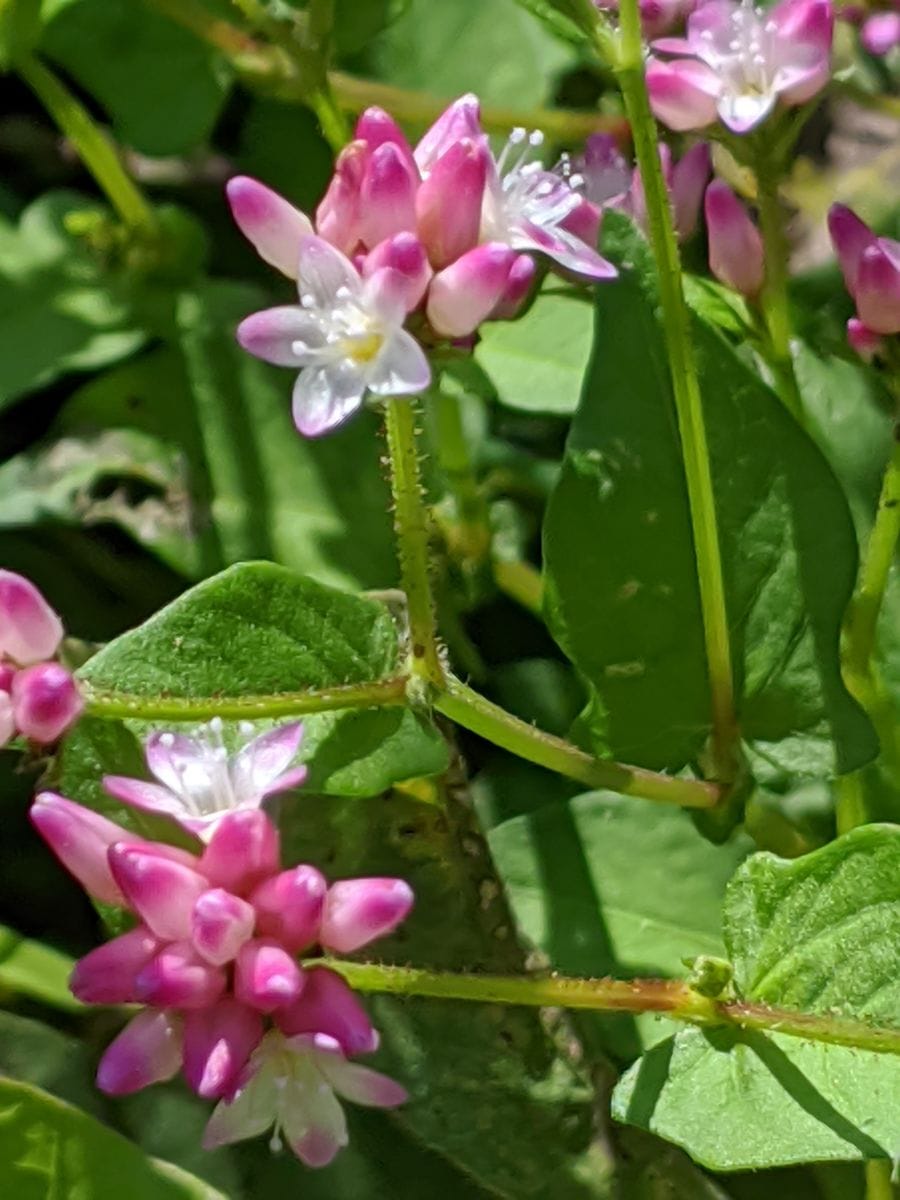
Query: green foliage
{"x":20,"y":29}
{"x":817,"y":935}
{"x":622,"y":593}
{"x":32,"y":969}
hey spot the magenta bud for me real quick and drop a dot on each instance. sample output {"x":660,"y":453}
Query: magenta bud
{"x":270,"y":222}
{"x":387,"y":199}
{"x":461,"y":119}
{"x":735,"y":245}
{"x":265,"y":976}
{"x":107,"y":975}
{"x":329,"y":1006}
{"x":243,"y":850}
{"x":289,"y":907}
{"x":337,"y":217}
{"x":148,"y":1050}
{"x":45,"y":701}
{"x":864,"y":341}
{"x":878,"y":286}
{"x":30,"y":631}
{"x":376,"y":127}
{"x":80,"y":839}
{"x":159,"y":889}
{"x":178,"y":978}
{"x":688,"y":179}
{"x":357,"y":911}
{"x":405,"y":255}
{"x":220,"y":924}
{"x":466,"y":293}
{"x":218,"y":1041}
{"x":518,"y":285}
{"x":448,"y":203}
{"x":850,"y":237}
{"x":880,"y":33}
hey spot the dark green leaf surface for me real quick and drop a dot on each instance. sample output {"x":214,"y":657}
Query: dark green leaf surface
{"x":32,"y":969}
{"x":622,"y":593}
{"x":818,"y":934}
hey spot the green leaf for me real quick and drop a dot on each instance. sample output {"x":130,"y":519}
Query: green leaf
{"x":20,"y":29}
{"x":48,"y":1148}
{"x":32,"y":969}
{"x":818,"y":934}
{"x":585,"y":894}
{"x":57,"y":308}
{"x":491,"y":1090}
{"x":38,"y":1054}
{"x":621,"y":590}
{"x":161,"y":85}
{"x":259,"y":630}
{"x":554,"y":17}
{"x":537,"y":362}
{"x":356,"y":22}
{"x":449,"y":49}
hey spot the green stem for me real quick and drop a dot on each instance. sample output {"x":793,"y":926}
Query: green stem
{"x":878,"y":1180}
{"x":411,"y":523}
{"x":464,"y":706}
{"x":93,"y":146}
{"x":671,"y":997}
{"x":333,"y":123}
{"x":686,"y":390}
{"x":520,"y":581}
{"x":122,"y":705}
{"x":774,"y":300}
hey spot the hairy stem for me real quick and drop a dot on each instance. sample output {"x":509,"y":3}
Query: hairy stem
{"x":91,"y":143}
{"x":686,"y":390}
{"x":411,"y":524}
{"x":671,"y":997}
{"x":464,"y":706}
{"x":774,"y":299}
{"x":878,"y":1180}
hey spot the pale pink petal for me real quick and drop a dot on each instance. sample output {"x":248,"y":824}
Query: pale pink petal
{"x":357,"y":911}
{"x":735,"y":245}
{"x":174,"y":757}
{"x":689,"y":178}
{"x":258,"y":766}
{"x":337,"y":217}
{"x":683,"y":94}
{"x":878,"y":288}
{"x":148,"y":1050}
{"x":387,"y":197}
{"x":375,"y":127}
{"x":461,"y":119}
{"x":269,"y":221}
{"x":448,"y":204}
{"x":565,"y":249}
{"x":282,"y":336}
{"x":324,"y":271}
{"x":161,"y":891}
{"x":148,"y":796}
{"x":250,"y":1112}
{"x":266,"y":977}
{"x":850,"y":237}
{"x":880,"y":32}
{"x":401,"y":367}
{"x":326,"y":397}
{"x":404,"y":255}
{"x":30,"y":630}
{"x":518,"y":285}
{"x":80,"y":839}
{"x":465,"y":293}
{"x":243,"y":850}
{"x":360,"y":1085}
{"x":743,"y":111}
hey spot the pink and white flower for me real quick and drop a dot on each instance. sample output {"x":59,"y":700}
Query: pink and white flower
{"x":346,"y":337}
{"x":199,"y":781}
{"x":871,"y":270}
{"x":292,"y":1085}
{"x":737,"y":62}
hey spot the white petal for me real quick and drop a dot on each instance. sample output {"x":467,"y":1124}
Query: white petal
{"x":256,"y":767}
{"x":324,"y":271}
{"x":250,"y":1113}
{"x":313,"y":1120}
{"x":174,"y":758}
{"x":150,"y":796}
{"x":400,"y":367}
{"x":361,"y":1085}
{"x":326,"y":396}
{"x":744,"y":110}
{"x":275,"y":334}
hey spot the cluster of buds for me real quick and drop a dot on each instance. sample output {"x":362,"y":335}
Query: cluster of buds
{"x":879,"y":28}
{"x":213,"y":960}
{"x":443,"y":234}
{"x":608,"y":181}
{"x":871,"y":270}
{"x":38,"y":696}
{"x":737,"y":62}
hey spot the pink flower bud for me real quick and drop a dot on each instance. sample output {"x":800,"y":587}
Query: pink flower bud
{"x":467,"y":292}
{"x":850,"y":237}
{"x":878,"y":286}
{"x":178,"y":978}
{"x":161,"y":891}
{"x":80,"y":839}
{"x":289,"y":906}
{"x":387,"y":200}
{"x":357,"y":911}
{"x":584,"y":222}
{"x":218,"y":1041}
{"x":329,"y":1006}
{"x":148,"y":1050}
{"x":337,"y":217}
{"x":462,"y":119}
{"x":518,"y":285}
{"x":864,"y":341}
{"x":683,"y":94}
{"x":7,"y":717}
{"x":220,"y":924}
{"x":687,"y":182}
{"x":880,"y":33}
{"x":269,"y":222}
{"x":46,"y":701}
{"x":735,"y":245}
{"x":107,"y":975}
{"x":265,"y":976}
{"x":405,"y":255}
{"x":243,"y":850}
{"x":30,"y":631}
{"x":448,"y":204}
{"x":376,"y":127}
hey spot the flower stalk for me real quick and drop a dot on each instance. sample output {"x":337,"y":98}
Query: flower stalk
{"x":628,"y":60}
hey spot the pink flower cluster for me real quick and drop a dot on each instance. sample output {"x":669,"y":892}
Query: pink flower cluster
{"x":736,"y":62}
{"x":213,"y":960}
{"x":443,"y":232}
{"x":38,"y":697}
{"x":871,"y":270}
